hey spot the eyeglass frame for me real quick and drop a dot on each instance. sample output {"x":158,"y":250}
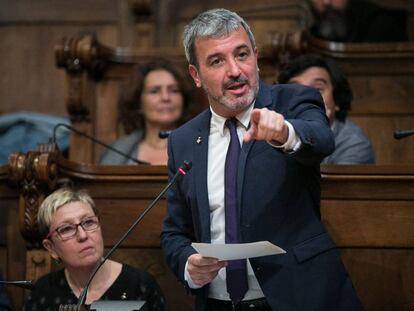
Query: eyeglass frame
{"x":98,"y":224}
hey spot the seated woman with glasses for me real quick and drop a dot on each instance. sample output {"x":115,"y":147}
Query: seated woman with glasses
{"x":69,"y":222}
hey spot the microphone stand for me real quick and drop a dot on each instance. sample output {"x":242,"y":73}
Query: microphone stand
{"x":71,"y":128}
{"x":398,"y":134}
{"x":180,"y":172}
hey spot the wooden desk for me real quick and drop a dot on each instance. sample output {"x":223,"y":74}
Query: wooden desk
{"x":368,"y":210}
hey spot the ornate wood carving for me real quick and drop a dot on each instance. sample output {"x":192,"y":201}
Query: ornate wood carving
{"x":81,"y":53}
{"x":35,"y":173}
{"x":84,"y":60}
{"x":279,"y":46}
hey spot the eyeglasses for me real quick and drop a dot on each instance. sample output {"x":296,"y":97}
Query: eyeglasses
{"x":68,"y":231}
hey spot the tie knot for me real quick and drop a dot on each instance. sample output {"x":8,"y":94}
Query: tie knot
{"x":231,"y":123}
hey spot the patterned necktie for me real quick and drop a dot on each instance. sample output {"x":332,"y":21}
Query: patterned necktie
{"x":236,"y":273}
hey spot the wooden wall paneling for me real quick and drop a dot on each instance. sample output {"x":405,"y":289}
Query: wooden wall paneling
{"x":373,"y":223}
{"x":29,"y":79}
{"x":12,"y":245}
{"x":29,"y":29}
{"x":383,"y":278}
{"x":58,"y":11}
{"x":382,"y":94}
{"x":370,"y":217}
{"x":146,"y":233}
{"x":264,"y":17}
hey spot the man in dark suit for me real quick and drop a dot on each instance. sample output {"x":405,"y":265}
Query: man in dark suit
{"x":285,"y":134}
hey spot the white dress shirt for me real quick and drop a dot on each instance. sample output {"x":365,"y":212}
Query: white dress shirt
{"x":219,"y":140}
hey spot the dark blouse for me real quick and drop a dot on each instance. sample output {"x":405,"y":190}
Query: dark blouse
{"x":52,"y":290}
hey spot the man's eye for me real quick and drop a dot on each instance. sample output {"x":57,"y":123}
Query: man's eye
{"x":215,"y":62}
{"x":243,"y":55}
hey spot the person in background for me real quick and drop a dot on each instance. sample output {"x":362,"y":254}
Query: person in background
{"x":69,"y":222}
{"x":158,"y":100}
{"x":4,"y":299}
{"x":357,"y":21}
{"x":256,"y":156}
{"x":351,"y":144}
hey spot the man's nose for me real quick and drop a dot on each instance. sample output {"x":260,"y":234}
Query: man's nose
{"x":233,"y":69}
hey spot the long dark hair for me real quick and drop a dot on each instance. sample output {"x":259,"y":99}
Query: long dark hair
{"x":131,"y":117}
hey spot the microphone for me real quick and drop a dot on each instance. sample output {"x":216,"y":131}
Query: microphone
{"x":182,"y":170}
{"x":22,"y":284}
{"x":164,"y":134}
{"x":71,"y":128}
{"x":398,"y":134}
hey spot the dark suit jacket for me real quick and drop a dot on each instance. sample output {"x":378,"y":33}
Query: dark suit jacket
{"x":278,"y":201}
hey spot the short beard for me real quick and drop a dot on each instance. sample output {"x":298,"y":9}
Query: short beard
{"x":237,"y":104}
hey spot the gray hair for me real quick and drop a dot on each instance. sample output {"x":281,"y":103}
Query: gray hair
{"x":56,"y":200}
{"x":213,"y":23}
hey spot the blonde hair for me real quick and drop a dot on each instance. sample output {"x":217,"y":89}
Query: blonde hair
{"x":56,"y":200}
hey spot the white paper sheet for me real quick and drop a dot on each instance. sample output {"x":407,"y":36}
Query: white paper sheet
{"x":237,"y":251}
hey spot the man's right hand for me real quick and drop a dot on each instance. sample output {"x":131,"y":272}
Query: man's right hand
{"x":203,"y":269}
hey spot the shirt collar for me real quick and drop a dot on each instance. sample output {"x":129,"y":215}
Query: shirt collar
{"x":218,"y":121}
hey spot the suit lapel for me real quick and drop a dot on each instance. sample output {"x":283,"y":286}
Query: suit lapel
{"x":201,"y":156}
{"x":264,"y":99}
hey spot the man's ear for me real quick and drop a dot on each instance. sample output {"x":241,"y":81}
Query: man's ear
{"x":50,"y":247}
{"x":194,"y":74}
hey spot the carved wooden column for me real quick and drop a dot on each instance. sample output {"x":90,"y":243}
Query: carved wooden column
{"x":35,"y":173}
{"x":84,"y":61}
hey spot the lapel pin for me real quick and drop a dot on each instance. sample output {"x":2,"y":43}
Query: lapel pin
{"x":198,"y":141}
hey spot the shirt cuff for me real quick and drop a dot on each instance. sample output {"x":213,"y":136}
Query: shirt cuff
{"x":293,"y":142}
{"x":188,"y":278}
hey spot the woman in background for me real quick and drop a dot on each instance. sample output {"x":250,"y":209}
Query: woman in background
{"x":158,"y":101}
{"x":68,"y":220}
